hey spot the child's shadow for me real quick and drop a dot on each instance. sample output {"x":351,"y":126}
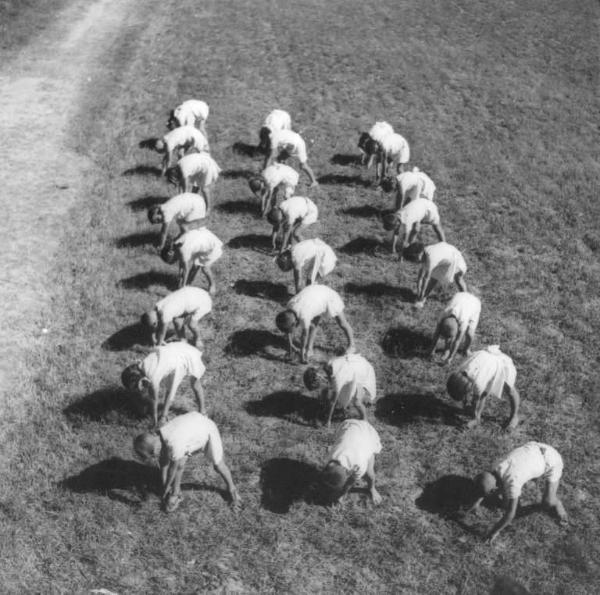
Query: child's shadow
{"x":406,"y":408}
{"x":289,"y":405}
{"x":129,"y":482}
{"x":267,"y":290}
{"x":447,"y":496}
{"x":406,"y":342}
{"x":127,"y":338}
{"x":256,"y":342}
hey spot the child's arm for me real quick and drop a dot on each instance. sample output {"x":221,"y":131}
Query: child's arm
{"x":509,"y":515}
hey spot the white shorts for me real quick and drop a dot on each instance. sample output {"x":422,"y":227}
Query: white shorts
{"x":210,"y":258}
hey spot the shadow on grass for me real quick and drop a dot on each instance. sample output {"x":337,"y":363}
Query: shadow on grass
{"x":406,"y":342}
{"x":404,"y":408}
{"x":239,"y":206}
{"x":246,"y":150}
{"x":343,"y":179}
{"x":127,"y":337}
{"x":146,"y":280}
{"x":447,"y":496}
{"x":267,"y":290}
{"x":143,"y":170}
{"x":236,"y":174}
{"x":259,"y":342}
{"x":109,"y":404}
{"x":286,"y":481}
{"x":505,"y":585}
{"x":364,"y":211}
{"x":361,"y":246}
{"x":345,"y":159}
{"x":286,"y":404}
{"x":146,"y":202}
{"x":129,"y":482}
{"x":379,"y":289}
{"x":254,"y":241}
{"x":134,"y":240}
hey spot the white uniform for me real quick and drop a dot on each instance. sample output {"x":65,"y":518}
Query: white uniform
{"x":299,"y":207}
{"x":466,"y":308}
{"x":174,"y":361}
{"x":191,"y":111}
{"x":396,"y":148}
{"x":418,"y":211}
{"x":313,"y":301}
{"x":290,"y":142}
{"x":187,"y":301}
{"x":356,"y":441}
{"x":200,"y":245}
{"x":490,"y":370}
{"x":200,"y":168}
{"x":280,"y":174}
{"x":189,"y":433}
{"x":278,"y":119}
{"x":416,"y":184}
{"x":314,"y":254}
{"x":525,"y":463}
{"x":380,"y":130}
{"x":186,"y":137}
{"x":352,"y":380}
{"x":445,"y":261}
{"x":184,"y":207}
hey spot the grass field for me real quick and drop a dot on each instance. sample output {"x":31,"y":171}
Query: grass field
{"x":499,"y":103}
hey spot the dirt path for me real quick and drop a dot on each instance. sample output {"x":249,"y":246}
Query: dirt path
{"x":40,"y":178}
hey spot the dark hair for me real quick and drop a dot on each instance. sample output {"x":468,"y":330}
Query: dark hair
{"x":284,"y":261}
{"x":286,"y":321}
{"x":390,"y":221}
{"x":388,"y":184}
{"x":169,"y":253}
{"x":372,"y":147}
{"x":265,"y":139}
{"x":363,"y":140}
{"x":154,"y":213}
{"x":413,"y":251}
{"x":275,"y":216}
{"x":130,"y":376}
{"x":311,"y":378}
{"x":457,"y":386}
{"x":256,"y":183}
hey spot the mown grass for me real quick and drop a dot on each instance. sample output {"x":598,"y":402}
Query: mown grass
{"x":498,"y":102}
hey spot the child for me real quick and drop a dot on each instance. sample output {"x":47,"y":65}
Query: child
{"x":314,"y":257}
{"x":291,"y":214}
{"x":190,"y":113}
{"x":441,"y":265}
{"x":187,"y":210}
{"x":353,"y":456}
{"x":266,"y":185}
{"x":344,"y":381}
{"x":457,"y":322}
{"x":369,"y":141}
{"x":278,"y":119}
{"x":171,"y":362}
{"x":292,"y":144}
{"x":528,"y":462}
{"x":179,"y":141}
{"x":409,"y":219}
{"x":410,"y":185}
{"x":186,"y":305}
{"x":177,"y":441}
{"x":197,"y":249}
{"x":196,"y":171}
{"x":486,"y":372}
{"x":305,"y":310}
{"x":393,"y":149}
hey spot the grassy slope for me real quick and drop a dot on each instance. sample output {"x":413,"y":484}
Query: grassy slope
{"x":498,"y":103}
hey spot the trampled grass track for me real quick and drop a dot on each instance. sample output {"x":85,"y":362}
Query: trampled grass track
{"x":498,"y":104}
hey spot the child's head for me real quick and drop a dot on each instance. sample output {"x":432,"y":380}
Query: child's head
{"x":390,"y":221}
{"x":458,"y":386}
{"x":313,"y":379}
{"x":485,"y":484}
{"x":169,"y":253}
{"x":332,"y":481}
{"x":131,"y":376}
{"x":284,"y":261}
{"x":155,"y":215}
{"x":147,"y":446}
{"x":160,"y":146}
{"x":363,"y":140}
{"x":275,"y":217}
{"x":150,"y":320}
{"x":265,"y":139}
{"x":257,"y":184}
{"x":388,"y":184}
{"x":286,"y":321}
{"x":448,"y":328}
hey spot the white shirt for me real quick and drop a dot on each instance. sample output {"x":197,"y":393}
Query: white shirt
{"x":416,"y":184}
{"x":490,"y":370}
{"x":175,"y":360}
{"x":280,"y":173}
{"x":417,"y":211}
{"x":185,"y":136}
{"x":278,"y":119}
{"x":187,"y":206}
{"x":291,"y":142}
{"x":186,"y":301}
{"x":525,"y":463}
{"x":380,"y":130}
{"x":315,"y":300}
{"x":188,"y":433}
{"x":444,"y":260}
{"x":202,"y":245}
{"x":299,"y":207}
{"x":356,"y":441}
{"x":315,"y":254}
{"x":201,"y":168}
{"x":352,"y":380}
{"x":191,"y":110}
{"x":396,"y":147}
{"x":466,"y":308}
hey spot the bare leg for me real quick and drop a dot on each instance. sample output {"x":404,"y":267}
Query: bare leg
{"x":199,"y":394}
{"x":309,"y":172}
{"x":179,"y":329}
{"x":194,"y":326}
{"x":460,"y":281}
{"x":552,"y":501}
{"x":210,"y":278}
{"x":362,"y":410}
{"x":193,"y":273}
{"x":345,"y":326}
{"x":207,"y":194}
{"x":223,"y":470}
{"x":312,"y":331}
{"x":514,"y":400}
{"x":297,"y":280}
{"x":370,"y":477}
{"x":478,"y":410}
{"x":436,"y":337}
